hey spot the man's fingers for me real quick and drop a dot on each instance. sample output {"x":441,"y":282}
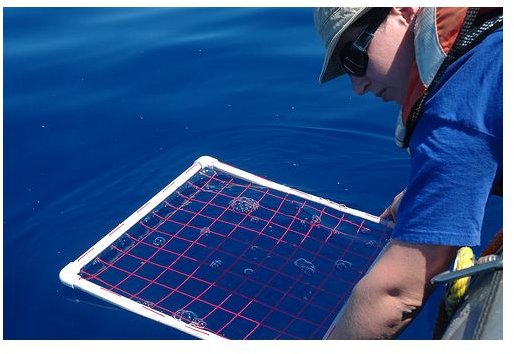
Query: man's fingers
{"x":386,"y":214}
{"x":392,"y":210}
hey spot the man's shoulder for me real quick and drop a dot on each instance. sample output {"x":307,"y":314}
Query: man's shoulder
{"x":470,"y":92}
{"x":485,"y":57}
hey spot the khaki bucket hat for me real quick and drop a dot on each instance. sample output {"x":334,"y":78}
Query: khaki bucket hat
{"x":331,"y":22}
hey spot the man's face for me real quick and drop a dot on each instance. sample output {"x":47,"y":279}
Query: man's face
{"x":391,"y":54}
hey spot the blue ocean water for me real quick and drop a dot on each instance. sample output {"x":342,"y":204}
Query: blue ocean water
{"x":104,"y":106}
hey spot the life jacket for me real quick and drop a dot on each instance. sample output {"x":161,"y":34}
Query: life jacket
{"x":435,"y":33}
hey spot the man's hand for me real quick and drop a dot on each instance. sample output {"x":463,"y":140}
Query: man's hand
{"x":391,"y":211}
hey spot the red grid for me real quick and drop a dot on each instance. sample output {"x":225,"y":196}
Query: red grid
{"x":196,"y":194}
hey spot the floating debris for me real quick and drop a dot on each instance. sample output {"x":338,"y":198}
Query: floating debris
{"x":305,"y":266}
{"x":189,"y":317}
{"x":316,"y":220}
{"x":216,"y":264}
{"x":342,"y":264}
{"x":244,"y":204}
{"x":371,"y":244}
{"x":159,"y":241}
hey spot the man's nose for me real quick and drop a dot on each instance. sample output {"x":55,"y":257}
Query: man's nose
{"x":360,"y":84}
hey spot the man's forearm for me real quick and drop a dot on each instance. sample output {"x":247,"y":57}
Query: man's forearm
{"x":388,"y":297}
{"x":370,"y":315}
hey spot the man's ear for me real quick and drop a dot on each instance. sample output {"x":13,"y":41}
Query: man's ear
{"x":408,"y":13}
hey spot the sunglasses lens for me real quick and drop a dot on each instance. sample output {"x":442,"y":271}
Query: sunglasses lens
{"x":357,"y":64}
{"x":354,"y":61}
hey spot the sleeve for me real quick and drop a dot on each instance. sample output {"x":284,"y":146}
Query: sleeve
{"x":456,"y":152}
{"x":452,"y":172}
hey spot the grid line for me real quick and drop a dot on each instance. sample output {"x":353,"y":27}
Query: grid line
{"x":298,"y":277}
{"x":292,"y":289}
{"x":248,"y":304}
{"x":142,"y":264}
{"x":203,"y":281}
{"x":293,"y":231}
{"x":221,"y":275}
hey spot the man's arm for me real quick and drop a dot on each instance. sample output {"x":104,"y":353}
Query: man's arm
{"x":388,"y":297}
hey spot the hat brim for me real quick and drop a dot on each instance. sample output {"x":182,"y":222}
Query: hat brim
{"x":332,"y":67}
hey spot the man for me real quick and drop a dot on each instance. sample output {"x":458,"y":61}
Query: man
{"x":452,"y":117}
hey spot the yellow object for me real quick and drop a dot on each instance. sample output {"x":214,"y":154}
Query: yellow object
{"x":456,"y":290}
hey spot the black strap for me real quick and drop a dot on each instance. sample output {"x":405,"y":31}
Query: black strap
{"x":469,"y":36}
{"x":378,"y":17}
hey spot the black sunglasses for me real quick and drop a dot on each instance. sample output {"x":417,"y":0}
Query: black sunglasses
{"x":354,"y":56}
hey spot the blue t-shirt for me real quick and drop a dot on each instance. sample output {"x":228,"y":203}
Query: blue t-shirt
{"x":456,"y":151}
